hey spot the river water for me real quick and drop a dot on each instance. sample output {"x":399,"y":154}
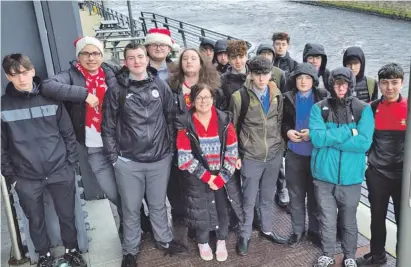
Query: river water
{"x":383,"y":40}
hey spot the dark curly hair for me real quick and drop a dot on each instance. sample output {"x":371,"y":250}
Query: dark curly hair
{"x":208,"y":73}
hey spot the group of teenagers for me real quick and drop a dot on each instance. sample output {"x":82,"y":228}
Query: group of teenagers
{"x":207,"y":133}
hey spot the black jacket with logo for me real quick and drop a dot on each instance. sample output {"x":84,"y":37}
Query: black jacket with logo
{"x":37,"y":137}
{"x":139,"y":128}
{"x":286,"y":63}
{"x":386,"y":156}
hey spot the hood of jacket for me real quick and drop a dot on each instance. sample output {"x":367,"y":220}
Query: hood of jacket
{"x":207,"y":41}
{"x":12,"y":91}
{"x":312,"y":49}
{"x":356,"y":52}
{"x":303,"y":68}
{"x":265,"y":46}
{"x":346,"y":74}
{"x":220,"y":46}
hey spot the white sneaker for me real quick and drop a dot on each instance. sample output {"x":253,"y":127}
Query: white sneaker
{"x":350,"y":263}
{"x":205,"y":252}
{"x":221,"y":252}
{"x":324,"y":261}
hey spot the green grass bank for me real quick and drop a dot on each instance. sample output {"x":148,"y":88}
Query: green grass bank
{"x":391,"y":9}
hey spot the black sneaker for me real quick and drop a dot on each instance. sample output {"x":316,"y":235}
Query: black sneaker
{"x":372,"y":260}
{"x":75,"y":258}
{"x":129,"y":261}
{"x":171,"y":247}
{"x":45,"y":260}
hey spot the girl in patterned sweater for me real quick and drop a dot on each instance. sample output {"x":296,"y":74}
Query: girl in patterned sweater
{"x":207,"y":153}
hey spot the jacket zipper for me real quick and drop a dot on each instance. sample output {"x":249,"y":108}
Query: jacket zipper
{"x":265,"y":126}
{"x":148,"y":127}
{"x":44,"y":120}
{"x":222,"y":153}
{"x":339,"y":169}
{"x":339,"y":164}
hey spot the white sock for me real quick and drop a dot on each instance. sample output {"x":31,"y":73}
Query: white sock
{"x":267,"y":233}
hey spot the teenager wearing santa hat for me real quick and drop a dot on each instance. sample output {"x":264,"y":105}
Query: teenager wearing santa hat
{"x":159,"y":45}
{"x":83,"y":87}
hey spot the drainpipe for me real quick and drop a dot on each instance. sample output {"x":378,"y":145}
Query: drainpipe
{"x":404,"y":245}
{"x":44,"y":38}
{"x":130,"y":16}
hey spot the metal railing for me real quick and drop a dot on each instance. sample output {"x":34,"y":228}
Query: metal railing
{"x":183,"y":33}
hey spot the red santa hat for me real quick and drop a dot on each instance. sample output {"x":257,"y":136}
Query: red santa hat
{"x":81,"y":42}
{"x":161,"y":36}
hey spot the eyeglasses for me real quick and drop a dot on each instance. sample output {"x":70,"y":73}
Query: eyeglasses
{"x":203,"y":98}
{"x":161,"y":46}
{"x":87,"y":54}
{"x":339,"y":85}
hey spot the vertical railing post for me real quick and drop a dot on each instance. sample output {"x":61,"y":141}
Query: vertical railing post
{"x":166,"y":23}
{"x":103,"y":9}
{"x":130,"y":16}
{"x":155,"y":20}
{"x":144,"y":26}
{"x":404,"y":242}
{"x":202,"y":32}
{"x":183,"y":35}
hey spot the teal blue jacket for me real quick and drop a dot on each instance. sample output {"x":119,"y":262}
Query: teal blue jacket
{"x":339,"y":157}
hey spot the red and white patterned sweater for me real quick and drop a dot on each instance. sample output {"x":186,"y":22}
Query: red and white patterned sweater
{"x":210,"y":145}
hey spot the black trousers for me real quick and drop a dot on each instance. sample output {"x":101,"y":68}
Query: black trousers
{"x":62,"y":189}
{"x":380,"y":189}
{"x":175,"y":192}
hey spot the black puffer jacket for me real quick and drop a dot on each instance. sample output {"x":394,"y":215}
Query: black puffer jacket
{"x":37,"y":137}
{"x":137,"y":126}
{"x":198,"y":194}
{"x":289,"y":108}
{"x":361,"y":86}
{"x":286,"y":63}
{"x":231,"y":82}
{"x":312,"y":49}
{"x":70,"y":86}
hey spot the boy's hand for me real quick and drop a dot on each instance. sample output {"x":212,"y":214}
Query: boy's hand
{"x":294,"y":136}
{"x":305,"y":134}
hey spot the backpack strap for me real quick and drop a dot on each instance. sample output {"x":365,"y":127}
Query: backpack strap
{"x":122,"y":97}
{"x":374,"y":105}
{"x":325,"y":109}
{"x":277,"y":77}
{"x":245,"y":103}
{"x":370,"y":86}
{"x":357,"y":106}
